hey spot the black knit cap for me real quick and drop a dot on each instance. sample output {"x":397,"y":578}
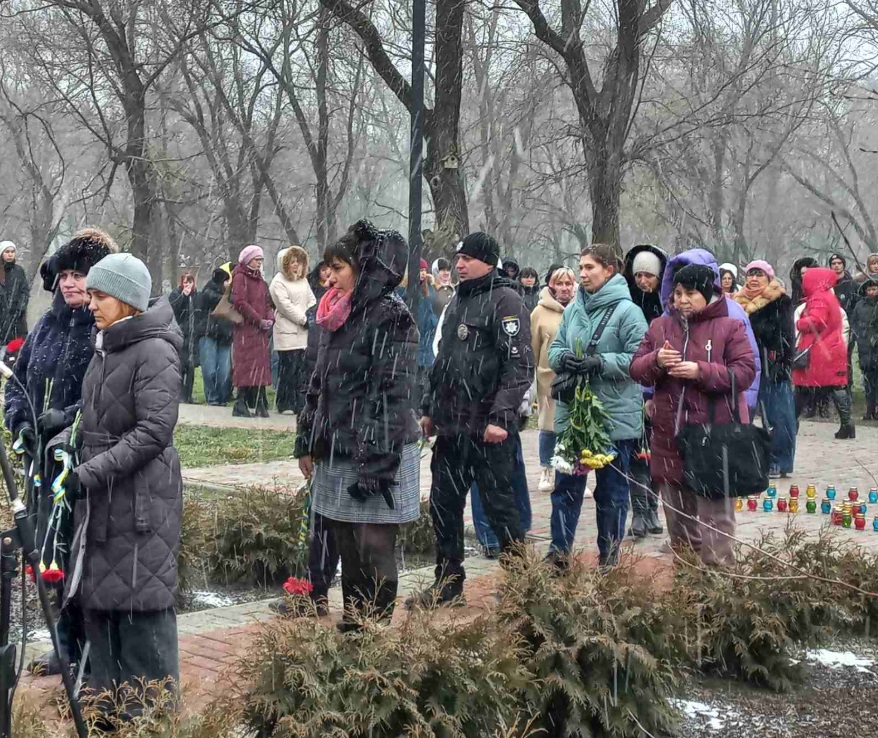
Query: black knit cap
{"x":480,"y":246}
{"x":697,"y":277}
{"x":80,"y":253}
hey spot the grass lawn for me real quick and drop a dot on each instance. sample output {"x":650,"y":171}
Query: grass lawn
{"x":200,"y":445}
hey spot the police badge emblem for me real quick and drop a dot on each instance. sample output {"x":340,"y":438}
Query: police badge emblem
{"x":462,"y":332}
{"x":511,"y":325}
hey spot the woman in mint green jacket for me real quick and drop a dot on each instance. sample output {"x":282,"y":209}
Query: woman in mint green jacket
{"x":603,"y":290}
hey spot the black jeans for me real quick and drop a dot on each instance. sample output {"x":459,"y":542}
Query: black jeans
{"x":132,"y":647}
{"x":369,"y":577}
{"x":458,"y":461}
{"x":290,"y":381}
{"x":323,"y":558}
{"x":187,"y":376}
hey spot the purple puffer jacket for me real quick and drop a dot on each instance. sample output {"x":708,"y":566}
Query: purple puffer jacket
{"x":705,"y":258}
{"x":718,"y":344}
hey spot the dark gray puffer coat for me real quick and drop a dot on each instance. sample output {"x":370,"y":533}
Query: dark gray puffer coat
{"x":128,"y":529}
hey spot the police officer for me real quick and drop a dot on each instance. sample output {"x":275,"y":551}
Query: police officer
{"x":482,"y":371}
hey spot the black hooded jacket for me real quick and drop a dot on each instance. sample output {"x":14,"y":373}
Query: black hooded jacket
{"x":206,"y":300}
{"x":14,"y":297}
{"x":798,"y":293}
{"x":358,"y":402}
{"x":846,"y":289}
{"x":649,"y":302}
{"x":864,"y":326}
{"x":485,"y":363}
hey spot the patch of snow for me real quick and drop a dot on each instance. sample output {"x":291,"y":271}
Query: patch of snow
{"x":699,"y":709}
{"x":840,"y":659}
{"x":41,"y":635}
{"x":212,"y":599}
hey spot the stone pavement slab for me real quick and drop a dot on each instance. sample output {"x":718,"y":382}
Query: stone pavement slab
{"x":221,"y":417}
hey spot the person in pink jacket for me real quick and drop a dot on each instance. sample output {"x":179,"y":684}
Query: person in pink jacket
{"x":689,"y":355}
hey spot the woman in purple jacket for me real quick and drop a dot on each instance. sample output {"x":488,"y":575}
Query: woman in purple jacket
{"x":689,"y":356}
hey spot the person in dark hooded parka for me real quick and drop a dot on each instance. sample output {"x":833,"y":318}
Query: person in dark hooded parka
{"x":357,"y":436}
{"x":644,"y":267}
{"x":51,"y":367}
{"x":864,"y":325}
{"x":130,"y":486}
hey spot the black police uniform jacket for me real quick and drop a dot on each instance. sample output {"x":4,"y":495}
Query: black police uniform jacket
{"x":485,"y":363}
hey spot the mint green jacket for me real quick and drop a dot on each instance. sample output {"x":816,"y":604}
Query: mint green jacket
{"x":620,"y":395}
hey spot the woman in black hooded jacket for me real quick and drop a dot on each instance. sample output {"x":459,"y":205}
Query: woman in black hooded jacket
{"x":357,"y":436}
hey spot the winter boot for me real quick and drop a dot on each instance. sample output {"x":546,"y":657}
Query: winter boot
{"x":240,"y":409}
{"x":843,"y":405}
{"x":446,"y":591}
{"x":547,"y":479}
{"x":870,"y":412}
{"x":611,"y":559}
{"x":261,"y":403}
{"x":640,"y":486}
{"x":846,"y":432}
{"x":654,"y":523}
{"x":385,"y":601}
{"x":638,"y":527}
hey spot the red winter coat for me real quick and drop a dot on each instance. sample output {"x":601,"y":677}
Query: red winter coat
{"x":719,"y":345}
{"x":251,"y":363}
{"x":820,"y":328}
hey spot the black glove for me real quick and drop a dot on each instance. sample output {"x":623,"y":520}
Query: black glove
{"x":73,"y":487}
{"x":51,"y":422}
{"x":28,"y":439}
{"x":369,"y":487}
{"x":571,"y":363}
{"x":592,"y":365}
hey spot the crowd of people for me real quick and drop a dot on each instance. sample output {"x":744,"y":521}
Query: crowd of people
{"x":663,"y":341}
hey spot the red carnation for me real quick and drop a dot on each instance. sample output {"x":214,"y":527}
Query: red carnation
{"x":298,"y":587}
{"x":53,"y":575}
{"x":14,"y":345}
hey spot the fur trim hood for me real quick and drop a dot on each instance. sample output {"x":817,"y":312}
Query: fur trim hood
{"x":774,"y":291}
{"x":285,"y":258}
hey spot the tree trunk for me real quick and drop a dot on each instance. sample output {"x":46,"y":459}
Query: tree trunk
{"x":605,"y":189}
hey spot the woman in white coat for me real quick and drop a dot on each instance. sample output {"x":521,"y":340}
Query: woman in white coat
{"x":292,"y":298}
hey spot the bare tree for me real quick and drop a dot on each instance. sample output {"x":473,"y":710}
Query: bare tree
{"x":605,"y":112}
{"x":442,"y":169}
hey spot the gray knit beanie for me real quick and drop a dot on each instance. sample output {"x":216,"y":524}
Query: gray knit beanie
{"x":124,"y":277}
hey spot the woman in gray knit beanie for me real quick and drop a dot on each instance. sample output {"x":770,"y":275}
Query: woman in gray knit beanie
{"x":124,"y":551}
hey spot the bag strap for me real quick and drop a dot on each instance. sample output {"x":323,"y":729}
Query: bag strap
{"x":599,"y":331}
{"x":711,"y":402}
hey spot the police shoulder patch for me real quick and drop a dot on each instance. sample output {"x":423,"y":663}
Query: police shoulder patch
{"x":511,"y":325}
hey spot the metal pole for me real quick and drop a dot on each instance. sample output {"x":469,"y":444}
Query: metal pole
{"x":416,"y":161}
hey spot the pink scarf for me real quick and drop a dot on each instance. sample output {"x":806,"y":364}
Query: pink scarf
{"x":334,"y":309}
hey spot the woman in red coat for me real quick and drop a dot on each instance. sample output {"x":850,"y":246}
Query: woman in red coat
{"x":820,"y":334}
{"x":251,"y":361}
{"x":689,"y":355}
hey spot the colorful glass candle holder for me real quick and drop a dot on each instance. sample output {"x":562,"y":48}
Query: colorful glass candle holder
{"x":860,"y":522}
{"x":739,"y":504}
{"x":811,"y":492}
{"x":794,"y":490}
{"x":853,"y":494}
{"x":752,"y":504}
{"x":782,"y":504}
{"x":830,"y":493}
{"x":794,"y":505}
{"x":873,"y":496}
{"x":875,"y":524}
{"x":811,"y":506}
{"x":771,"y":491}
{"x":826,"y":506}
{"x":768,"y":504}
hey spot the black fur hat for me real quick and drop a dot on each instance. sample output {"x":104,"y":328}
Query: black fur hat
{"x":80,"y":253}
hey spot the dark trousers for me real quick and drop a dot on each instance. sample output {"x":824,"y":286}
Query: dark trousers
{"x":132,"y":647}
{"x":611,"y":500}
{"x":187,"y":377}
{"x":323,"y":557}
{"x":870,"y":382}
{"x":290,"y":381}
{"x":253,"y":397}
{"x":458,"y":461}
{"x":369,"y":577}
{"x":644,"y":500}
{"x":840,"y":396}
{"x":484,"y":533}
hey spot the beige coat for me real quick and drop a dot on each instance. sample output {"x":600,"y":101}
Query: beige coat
{"x":544,"y":323}
{"x":292,"y":299}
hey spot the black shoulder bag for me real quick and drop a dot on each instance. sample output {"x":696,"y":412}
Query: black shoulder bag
{"x":564,"y":385}
{"x":727,"y":460}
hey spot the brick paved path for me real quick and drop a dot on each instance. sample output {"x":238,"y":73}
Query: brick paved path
{"x":210,"y":641}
